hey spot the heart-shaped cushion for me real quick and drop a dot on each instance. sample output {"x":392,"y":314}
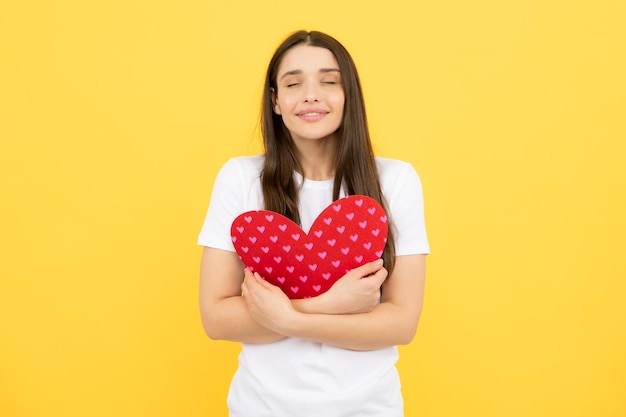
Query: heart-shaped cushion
{"x":348,"y":233}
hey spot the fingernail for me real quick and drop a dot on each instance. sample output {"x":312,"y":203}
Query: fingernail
{"x":379,"y":262}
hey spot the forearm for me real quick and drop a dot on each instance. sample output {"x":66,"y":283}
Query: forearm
{"x":229,"y":319}
{"x":223,"y":310}
{"x":387,"y":325}
{"x":315,"y":305}
{"x":356,"y":292}
{"x":392,"y":322}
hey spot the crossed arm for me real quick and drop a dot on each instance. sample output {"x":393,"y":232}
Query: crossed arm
{"x":239,"y":306}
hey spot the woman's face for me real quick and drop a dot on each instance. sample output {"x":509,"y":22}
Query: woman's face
{"x":309,"y":94}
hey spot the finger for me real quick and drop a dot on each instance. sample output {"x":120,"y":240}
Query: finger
{"x":247,"y":273}
{"x":252,"y":284}
{"x":254,"y":287}
{"x":369,"y":268}
{"x":262,"y":282}
{"x":258,"y":281}
{"x":381,"y":275}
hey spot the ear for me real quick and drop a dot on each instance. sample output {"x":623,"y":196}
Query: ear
{"x":275,"y":105}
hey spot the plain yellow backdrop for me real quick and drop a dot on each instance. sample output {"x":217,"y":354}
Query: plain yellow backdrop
{"x":116,"y":115}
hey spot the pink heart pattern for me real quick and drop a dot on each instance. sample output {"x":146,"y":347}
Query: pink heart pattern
{"x":348,"y":233}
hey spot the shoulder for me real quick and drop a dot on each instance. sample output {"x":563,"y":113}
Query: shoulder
{"x":392,"y":170}
{"x":241,"y":169}
{"x":400,"y":183}
{"x":402,"y":189}
{"x":244,"y":164}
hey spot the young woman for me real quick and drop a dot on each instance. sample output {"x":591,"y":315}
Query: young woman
{"x":332,"y":355}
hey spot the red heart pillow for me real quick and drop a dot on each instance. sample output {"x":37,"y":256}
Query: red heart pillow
{"x":348,"y":233}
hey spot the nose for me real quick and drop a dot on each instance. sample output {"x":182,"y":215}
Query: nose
{"x":311,"y":93}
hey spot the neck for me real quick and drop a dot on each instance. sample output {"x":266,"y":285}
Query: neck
{"x":317,"y":159}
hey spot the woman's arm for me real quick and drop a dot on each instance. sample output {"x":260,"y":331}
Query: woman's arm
{"x":225,"y":315}
{"x":224,"y":312}
{"x":392,"y":322}
{"x":356,"y":292}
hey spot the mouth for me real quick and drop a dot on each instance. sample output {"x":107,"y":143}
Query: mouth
{"x":312,"y":115}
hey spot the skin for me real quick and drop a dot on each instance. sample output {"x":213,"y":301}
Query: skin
{"x":309,"y":83}
{"x":239,"y":306}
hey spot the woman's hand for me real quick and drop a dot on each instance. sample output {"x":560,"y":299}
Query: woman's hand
{"x":391,"y":322}
{"x":267,"y":304}
{"x":225,"y":314}
{"x":356,"y":292}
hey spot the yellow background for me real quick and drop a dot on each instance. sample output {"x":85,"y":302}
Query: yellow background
{"x":116,"y":115}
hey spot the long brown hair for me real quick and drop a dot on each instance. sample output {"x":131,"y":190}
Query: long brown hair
{"x":356,"y":168}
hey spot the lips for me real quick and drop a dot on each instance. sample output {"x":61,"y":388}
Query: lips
{"x":311,"y":115}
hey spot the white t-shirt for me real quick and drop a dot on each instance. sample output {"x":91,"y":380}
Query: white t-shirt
{"x":298,"y":377}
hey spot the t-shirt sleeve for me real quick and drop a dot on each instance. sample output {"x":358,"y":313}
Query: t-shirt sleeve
{"x":227,"y":202}
{"x":406,"y":203}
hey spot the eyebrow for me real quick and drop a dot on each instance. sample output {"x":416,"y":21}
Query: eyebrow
{"x":298,"y":72}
